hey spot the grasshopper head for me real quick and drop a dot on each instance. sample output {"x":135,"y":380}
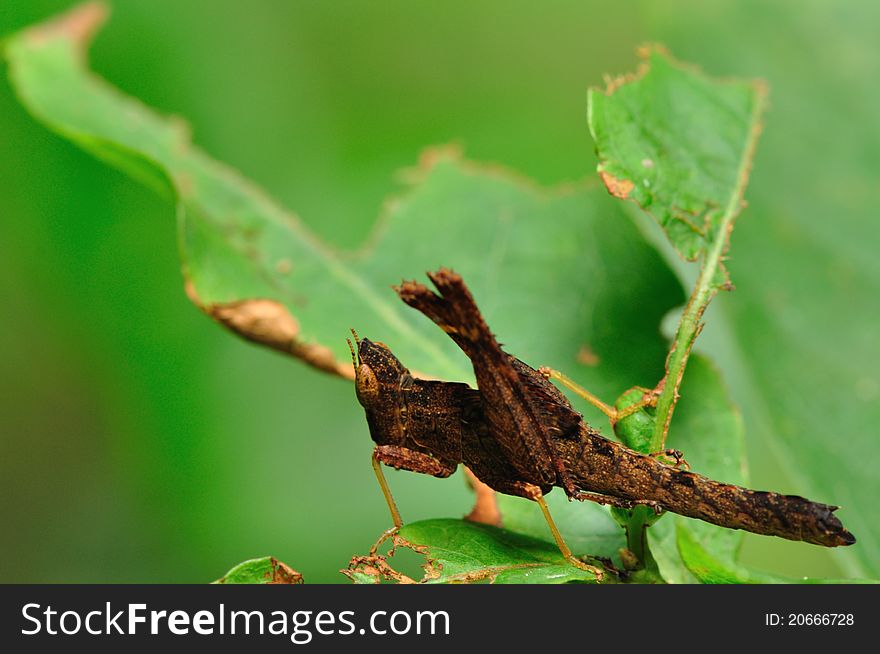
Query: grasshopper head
{"x":378,"y":377}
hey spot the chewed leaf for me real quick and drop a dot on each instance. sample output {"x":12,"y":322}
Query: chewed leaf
{"x":680,"y":145}
{"x":255,"y":268}
{"x":265,"y":570}
{"x":458,"y":551}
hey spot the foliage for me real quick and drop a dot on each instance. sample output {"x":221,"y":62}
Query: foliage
{"x":677,"y":142}
{"x":265,"y":570}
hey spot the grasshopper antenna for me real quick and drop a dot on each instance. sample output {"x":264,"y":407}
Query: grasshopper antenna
{"x":352,"y":348}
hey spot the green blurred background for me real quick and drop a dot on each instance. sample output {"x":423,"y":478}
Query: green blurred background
{"x":140,"y":442}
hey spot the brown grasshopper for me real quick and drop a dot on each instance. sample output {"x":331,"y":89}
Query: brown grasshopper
{"x":521,"y":436}
{"x":431,"y":427}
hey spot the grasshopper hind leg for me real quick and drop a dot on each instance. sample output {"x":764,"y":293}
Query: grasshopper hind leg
{"x":534,"y":493}
{"x":649,"y":398}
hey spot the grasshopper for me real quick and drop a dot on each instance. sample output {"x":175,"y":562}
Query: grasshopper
{"x":520,"y":435}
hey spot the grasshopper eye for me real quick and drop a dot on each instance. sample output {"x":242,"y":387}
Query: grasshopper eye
{"x":366,"y":385}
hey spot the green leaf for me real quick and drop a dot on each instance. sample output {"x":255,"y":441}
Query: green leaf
{"x":710,"y":568}
{"x":635,"y":430}
{"x":458,"y":551}
{"x":800,"y":346}
{"x":544,"y":265}
{"x":680,"y":145}
{"x":664,"y":549}
{"x":265,"y":570}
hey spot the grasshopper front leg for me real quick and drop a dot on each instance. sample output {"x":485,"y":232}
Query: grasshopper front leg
{"x":402,"y":458}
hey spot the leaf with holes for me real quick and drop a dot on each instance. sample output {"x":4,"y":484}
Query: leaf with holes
{"x":680,"y":145}
{"x":545,"y":264}
{"x":265,"y":570}
{"x":458,"y":551}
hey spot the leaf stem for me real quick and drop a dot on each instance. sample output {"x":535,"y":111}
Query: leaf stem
{"x":636,"y":522}
{"x":690,"y":324}
{"x":689,"y":327}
